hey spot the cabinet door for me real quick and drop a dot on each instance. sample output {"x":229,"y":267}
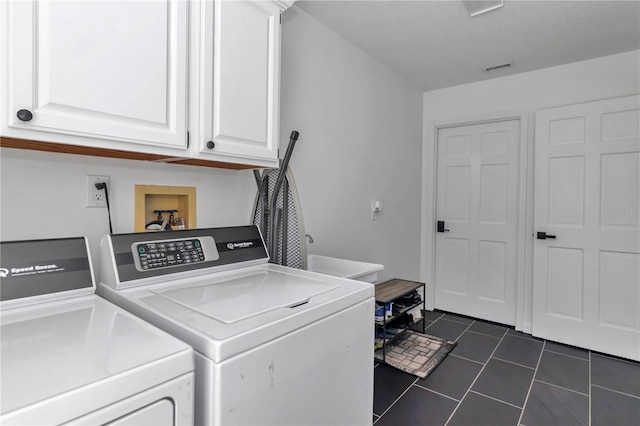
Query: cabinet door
{"x":240,"y":79}
{"x":104,"y":69}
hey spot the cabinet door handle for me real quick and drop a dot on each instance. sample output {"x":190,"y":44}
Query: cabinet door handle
{"x":25,"y":115}
{"x":211,"y":144}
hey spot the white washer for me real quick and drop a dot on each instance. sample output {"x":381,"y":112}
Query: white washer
{"x":274,"y":345}
{"x":69,"y":356}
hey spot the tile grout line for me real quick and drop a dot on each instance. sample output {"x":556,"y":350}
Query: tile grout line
{"x":455,"y":322}
{"x":496,"y":399}
{"x":589,"y":389}
{"x":560,"y":387}
{"x":397,"y":399}
{"x":514,"y":363}
{"x":459,"y":321}
{"x":437,"y":393}
{"x":535,"y":373}
{"x":483,"y":334}
{"x":467,"y":359}
{"x":425,"y":319}
{"x":570,"y":356}
{"x":616,"y":391}
{"x":465,"y":330}
{"x":459,"y":335}
{"x":615,"y":358}
{"x":476,"y":378}
{"x":523,"y":337}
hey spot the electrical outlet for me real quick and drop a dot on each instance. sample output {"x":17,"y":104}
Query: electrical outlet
{"x":96,"y":197}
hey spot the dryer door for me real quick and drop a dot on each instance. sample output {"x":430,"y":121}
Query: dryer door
{"x":158,"y":413}
{"x":168,"y":404}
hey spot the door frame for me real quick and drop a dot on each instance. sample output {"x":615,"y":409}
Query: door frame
{"x":525,"y":217}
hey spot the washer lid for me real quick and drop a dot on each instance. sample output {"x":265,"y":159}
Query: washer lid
{"x":244,"y":297}
{"x":227,"y":313}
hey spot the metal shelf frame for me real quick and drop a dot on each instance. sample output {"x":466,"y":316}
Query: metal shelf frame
{"x":390,"y":291}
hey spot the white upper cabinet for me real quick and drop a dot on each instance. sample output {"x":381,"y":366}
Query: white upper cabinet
{"x":238,"y":81}
{"x":110,"y":74}
{"x":195,"y":82}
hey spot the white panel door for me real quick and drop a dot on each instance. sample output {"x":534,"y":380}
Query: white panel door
{"x":587,"y":221}
{"x":477,"y":198}
{"x":105,"y":69}
{"x":240,"y":74}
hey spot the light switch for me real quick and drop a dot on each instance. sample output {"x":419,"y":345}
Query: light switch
{"x":376,"y":209}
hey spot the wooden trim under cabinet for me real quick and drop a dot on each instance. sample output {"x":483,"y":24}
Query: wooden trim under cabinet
{"x":207,"y":163}
{"x":113,"y":153}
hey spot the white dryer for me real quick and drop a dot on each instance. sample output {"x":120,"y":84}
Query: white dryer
{"x":274,"y":345}
{"x":69,"y":356}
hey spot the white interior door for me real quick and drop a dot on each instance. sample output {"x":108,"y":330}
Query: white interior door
{"x":477,"y":198}
{"x":587,"y":197}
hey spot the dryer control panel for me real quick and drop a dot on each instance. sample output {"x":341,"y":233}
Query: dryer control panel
{"x":166,"y":253}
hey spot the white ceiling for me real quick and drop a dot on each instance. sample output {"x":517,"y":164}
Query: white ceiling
{"x":436,"y":44}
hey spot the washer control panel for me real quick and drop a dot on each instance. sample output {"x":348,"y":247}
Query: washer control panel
{"x":151,"y":255}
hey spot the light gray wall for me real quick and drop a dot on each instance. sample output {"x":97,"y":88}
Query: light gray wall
{"x":595,"y":79}
{"x":360,"y":140}
{"x":44,"y":195}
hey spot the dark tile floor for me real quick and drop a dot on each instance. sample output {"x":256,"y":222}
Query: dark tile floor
{"x":498,"y":376}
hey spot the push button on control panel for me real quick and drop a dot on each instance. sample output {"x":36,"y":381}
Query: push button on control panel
{"x":162,"y":254}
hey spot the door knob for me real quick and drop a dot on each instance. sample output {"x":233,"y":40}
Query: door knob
{"x":211,"y":144}
{"x":544,"y":236}
{"x":440,"y":226}
{"x":24,"y":115}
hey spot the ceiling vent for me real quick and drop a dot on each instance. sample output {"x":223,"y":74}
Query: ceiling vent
{"x":500,"y":67}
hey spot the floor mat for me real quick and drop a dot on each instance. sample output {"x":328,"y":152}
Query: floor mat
{"x":416,"y":353}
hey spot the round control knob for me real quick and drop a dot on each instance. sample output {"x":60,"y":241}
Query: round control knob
{"x":211,"y":144}
{"x":25,"y":115}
